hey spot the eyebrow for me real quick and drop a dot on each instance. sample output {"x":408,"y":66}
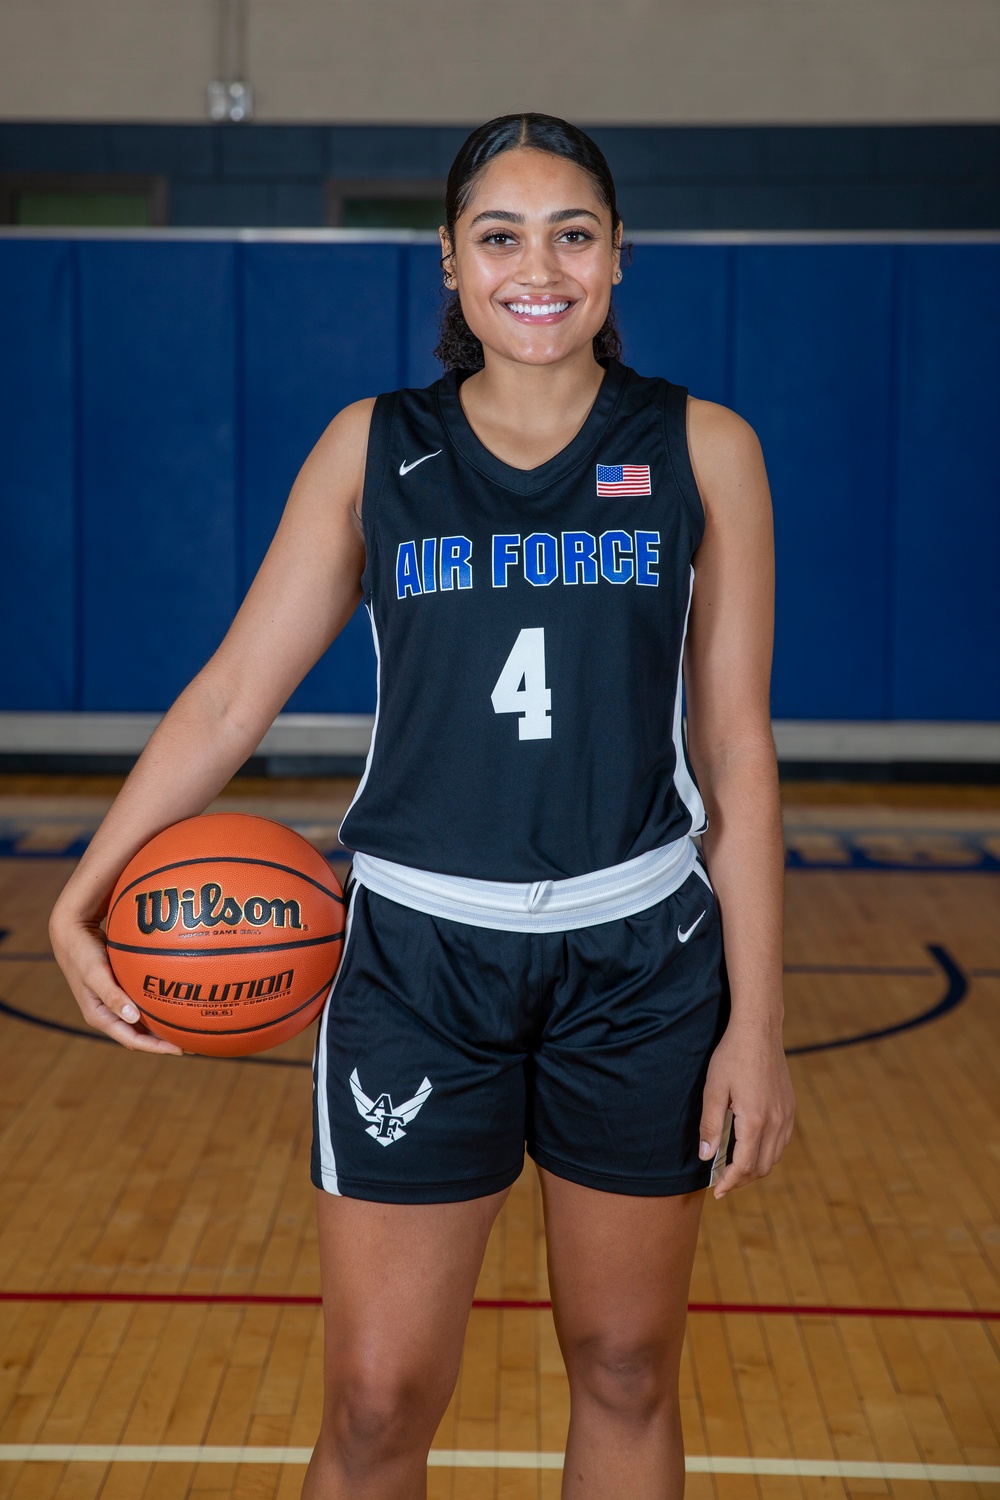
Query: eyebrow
{"x":559,"y":217}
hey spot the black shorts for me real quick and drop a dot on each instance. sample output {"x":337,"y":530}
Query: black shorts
{"x":445,"y":1048}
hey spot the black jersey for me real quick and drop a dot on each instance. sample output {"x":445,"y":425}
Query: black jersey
{"x":529,"y":627}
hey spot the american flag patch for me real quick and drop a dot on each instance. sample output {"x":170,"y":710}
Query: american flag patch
{"x":623,"y":479}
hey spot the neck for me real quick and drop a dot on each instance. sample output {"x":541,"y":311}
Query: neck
{"x":533,"y":401}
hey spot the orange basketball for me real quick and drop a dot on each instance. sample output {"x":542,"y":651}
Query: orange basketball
{"x":226,"y":931}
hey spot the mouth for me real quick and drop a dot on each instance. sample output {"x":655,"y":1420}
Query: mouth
{"x":530,"y":310}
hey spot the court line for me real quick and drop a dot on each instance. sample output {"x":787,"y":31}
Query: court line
{"x":484,"y":1458}
{"x":855,"y":856}
{"x":958,"y":986}
{"x":955,"y":993}
{"x":509,"y":1304}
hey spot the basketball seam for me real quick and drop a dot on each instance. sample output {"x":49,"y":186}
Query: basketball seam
{"x":248,"y":949}
{"x":225,"y":859}
{"x":238,"y":1030}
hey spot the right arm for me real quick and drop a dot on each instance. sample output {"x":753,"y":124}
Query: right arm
{"x":306,"y":590}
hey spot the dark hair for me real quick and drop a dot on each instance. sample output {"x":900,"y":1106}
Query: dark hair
{"x":458,"y":348}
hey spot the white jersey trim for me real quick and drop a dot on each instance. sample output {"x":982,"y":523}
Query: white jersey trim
{"x":327,"y":1159}
{"x":534,"y":906}
{"x":684,"y":782}
{"x":371,"y":746}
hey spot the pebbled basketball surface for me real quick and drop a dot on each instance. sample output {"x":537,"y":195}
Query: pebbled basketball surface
{"x":226,"y":931}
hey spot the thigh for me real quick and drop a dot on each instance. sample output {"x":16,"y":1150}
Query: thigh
{"x":619,"y":1268}
{"x":398,"y":1282}
{"x":419,"y":1074}
{"x":618,"y":1075}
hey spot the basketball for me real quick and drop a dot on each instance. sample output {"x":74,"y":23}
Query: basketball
{"x":226,"y":931}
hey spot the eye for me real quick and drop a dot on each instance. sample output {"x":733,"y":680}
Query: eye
{"x":497,"y":237}
{"x":576,"y":236}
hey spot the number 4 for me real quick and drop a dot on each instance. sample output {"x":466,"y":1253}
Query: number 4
{"x":533,"y":701}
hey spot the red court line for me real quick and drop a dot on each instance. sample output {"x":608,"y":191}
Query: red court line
{"x":263,"y":1299}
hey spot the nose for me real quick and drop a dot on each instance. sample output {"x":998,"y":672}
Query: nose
{"x":539,"y":265}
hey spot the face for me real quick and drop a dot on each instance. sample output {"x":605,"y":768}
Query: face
{"x":534,"y":258}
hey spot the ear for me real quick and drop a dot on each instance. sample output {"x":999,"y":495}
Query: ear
{"x":447,"y":251}
{"x":616,"y":252}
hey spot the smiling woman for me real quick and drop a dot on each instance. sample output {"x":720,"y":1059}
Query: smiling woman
{"x":554,"y":141}
{"x":551,"y":549}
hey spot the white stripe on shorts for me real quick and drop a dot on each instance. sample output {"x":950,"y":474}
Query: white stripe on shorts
{"x":540,"y":905}
{"x":327,"y":1160}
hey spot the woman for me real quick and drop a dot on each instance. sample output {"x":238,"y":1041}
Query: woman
{"x":534,"y":949}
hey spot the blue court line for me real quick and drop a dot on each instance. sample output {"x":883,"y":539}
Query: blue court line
{"x":958,"y":988}
{"x":853,"y":853}
{"x":848,"y":969}
{"x":956,"y":979}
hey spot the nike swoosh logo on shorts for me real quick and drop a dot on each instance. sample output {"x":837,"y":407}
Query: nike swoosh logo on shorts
{"x":683,"y":936}
{"x":405,"y":468}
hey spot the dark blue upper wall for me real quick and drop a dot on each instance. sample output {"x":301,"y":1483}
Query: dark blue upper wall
{"x":719,"y":177}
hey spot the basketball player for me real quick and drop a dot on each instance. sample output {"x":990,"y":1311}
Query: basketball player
{"x":535,"y":945}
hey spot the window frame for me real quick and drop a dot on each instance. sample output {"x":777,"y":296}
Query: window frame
{"x":153,"y":188}
{"x":397,"y":189}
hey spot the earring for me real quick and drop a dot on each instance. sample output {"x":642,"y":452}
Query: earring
{"x":618,"y":275}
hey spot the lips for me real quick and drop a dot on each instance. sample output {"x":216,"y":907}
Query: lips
{"x":531,"y":310}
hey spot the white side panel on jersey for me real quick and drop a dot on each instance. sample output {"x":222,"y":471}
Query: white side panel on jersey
{"x":683,"y":780}
{"x":378,"y":705}
{"x":327,"y":1159}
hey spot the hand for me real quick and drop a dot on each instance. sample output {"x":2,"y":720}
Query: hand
{"x":748,"y":1073}
{"x":81,"y":953}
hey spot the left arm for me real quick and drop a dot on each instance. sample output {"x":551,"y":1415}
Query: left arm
{"x":727,"y":682}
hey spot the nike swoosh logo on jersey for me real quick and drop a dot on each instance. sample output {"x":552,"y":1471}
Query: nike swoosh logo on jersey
{"x":405,"y":468}
{"x":683,"y":936}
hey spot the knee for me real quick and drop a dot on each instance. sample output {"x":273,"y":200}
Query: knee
{"x":630,"y":1379}
{"x":378,"y":1415}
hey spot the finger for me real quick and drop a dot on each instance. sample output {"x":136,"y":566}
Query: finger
{"x":743,"y":1167}
{"x":103,"y":988}
{"x":135,"y":1038}
{"x":138,"y":1039}
{"x":110,"y":1010}
{"x":715,"y":1102}
{"x":769,"y":1153}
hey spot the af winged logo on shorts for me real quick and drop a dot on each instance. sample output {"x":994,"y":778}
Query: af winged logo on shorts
{"x":387,"y":1121}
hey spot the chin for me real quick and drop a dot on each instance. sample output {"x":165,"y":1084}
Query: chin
{"x":534,"y":352}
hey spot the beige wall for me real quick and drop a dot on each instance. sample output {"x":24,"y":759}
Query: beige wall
{"x":423,"y":61}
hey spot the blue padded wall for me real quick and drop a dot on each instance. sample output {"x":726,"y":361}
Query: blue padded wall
{"x":946,"y":551}
{"x":157,"y":399}
{"x":812,"y":374}
{"x":673,"y":308}
{"x":157,"y":466}
{"x":424,"y":304}
{"x":322,"y":326}
{"x":38,"y":594}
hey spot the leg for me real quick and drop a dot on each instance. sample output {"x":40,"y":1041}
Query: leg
{"x":619,"y":1270}
{"x":398,"y":1282}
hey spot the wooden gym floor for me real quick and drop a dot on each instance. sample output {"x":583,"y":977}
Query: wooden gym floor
{"x":159,"y":1333}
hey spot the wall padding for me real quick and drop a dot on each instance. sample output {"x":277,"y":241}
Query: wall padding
{"x":158,"y":397}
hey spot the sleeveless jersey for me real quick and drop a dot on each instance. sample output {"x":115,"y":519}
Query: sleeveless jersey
{"x":529,"y":627}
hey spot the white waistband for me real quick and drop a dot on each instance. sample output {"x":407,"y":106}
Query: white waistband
{"x":537,"y":906}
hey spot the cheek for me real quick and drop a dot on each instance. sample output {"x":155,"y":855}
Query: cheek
{"x":480,"y":280}
{"x":479,"y":284}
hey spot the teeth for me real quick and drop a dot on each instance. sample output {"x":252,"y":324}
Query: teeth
{"x":538,"y":309}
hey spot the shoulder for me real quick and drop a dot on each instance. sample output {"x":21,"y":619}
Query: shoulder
{"x":347,"y":435}
{"x":724,"y":450}
{"x":336,"y":465}
{"x":717,"y":435}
